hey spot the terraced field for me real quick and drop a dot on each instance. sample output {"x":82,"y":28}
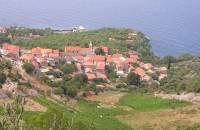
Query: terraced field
{"x":121,"y":111}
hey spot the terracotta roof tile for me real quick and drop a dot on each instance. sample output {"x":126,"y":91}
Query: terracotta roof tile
{"x":54,"y":55}
{"x":72,"y":48}
{"x":91,"y":76}
{"x":27,"y":57}
{"x":46,"y":51}
{"x":37,"y":51}
{"x":100,"y":67}
{"x":140,"y":72}
{"x":101,"y":76}
{"x":97,"y":58}
{"x":11,"y":48}
{"x":80,"y":58}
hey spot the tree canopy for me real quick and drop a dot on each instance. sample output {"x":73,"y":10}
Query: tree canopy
{"x":133,"y":79}
{"x":99,"y":51}
{"x":28,"y":67}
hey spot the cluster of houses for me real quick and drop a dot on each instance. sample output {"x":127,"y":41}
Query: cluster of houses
{"x":2,"y":30}
{"x":87,"y":62}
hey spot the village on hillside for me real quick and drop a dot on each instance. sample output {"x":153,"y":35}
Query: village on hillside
{"x":92,"y":61}
{"x":87,"y":62}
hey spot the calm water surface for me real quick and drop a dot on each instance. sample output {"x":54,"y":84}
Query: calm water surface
{"x":172,"y":25}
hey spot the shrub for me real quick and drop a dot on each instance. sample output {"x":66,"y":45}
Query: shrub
{"x":58,"y":91}
{"x":81,"y":78}
{"x":28,"y":67}
{"x":111,"y":73}
{"x":67,"y":68}
{"x":71,"y":91}
{"x":135,"y":64}
{"x":99,"y":81}
{"x":99,"y":51}
{"x":133,"y":79}
{"x":5,"y":64}
{"x":15,"y":77}
{"x":121,"y":85}
{"x":2,"y":78}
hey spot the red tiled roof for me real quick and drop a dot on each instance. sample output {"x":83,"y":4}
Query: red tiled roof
{"x":63,"y":54}
{"x":85,"y":49}
{"x":97,"y":58}
{"x":101,"y":76}
{"x":109,"y":59}
{"x":46,"y":51}
{"x":79,"y":57}
{"x":140,"y":72}
{"x":90,"y":76}
{"x":2,"y":30}
{"x":37,"y":51}
{"x":54,"y":55}
{"x":56,"y":51}
{"x":129,"y":60}
{"x":27,"y":57}
{"x":72,"y":48}
{"x":100,"y":67}
{"x":11,"y":48}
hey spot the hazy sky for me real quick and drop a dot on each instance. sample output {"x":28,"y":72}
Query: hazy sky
{"x":169,"y":23}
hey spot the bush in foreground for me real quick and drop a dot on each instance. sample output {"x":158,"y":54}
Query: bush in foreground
{"x":28,"y":67}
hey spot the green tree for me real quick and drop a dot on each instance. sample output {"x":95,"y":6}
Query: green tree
{"x":169,"y":60}
{"x":133,"y":79}
{"x":28,"y":67}
{"x":185,"y":57}
{"x":2,"y":78}
{"x":99,"y":51}
{"x":155,"y":76}
{"x":111,"y":73}
{"x":71,"y":91}
{"x":5,"y":64}
{"x":135,"y":65}
{"x":67,"y":68}
{"x":81,"y":78}
{"x":4,"y":38}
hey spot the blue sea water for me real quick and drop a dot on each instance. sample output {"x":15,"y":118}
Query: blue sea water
{"x":172,"y":25}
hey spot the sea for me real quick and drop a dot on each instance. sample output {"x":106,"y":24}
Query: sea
{"x":172,"y":25}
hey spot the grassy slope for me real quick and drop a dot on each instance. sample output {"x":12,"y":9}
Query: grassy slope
{"x":105,"y":118}
{"x":143,"y":102}
{"x":98,"y":37}
{"x":102,"y":118}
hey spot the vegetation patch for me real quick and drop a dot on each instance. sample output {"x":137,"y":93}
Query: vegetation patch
{"x":145,"y":102}
{"x":180,"y":118}
{"x":89,"y":112}
{"x":106,"y":99}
